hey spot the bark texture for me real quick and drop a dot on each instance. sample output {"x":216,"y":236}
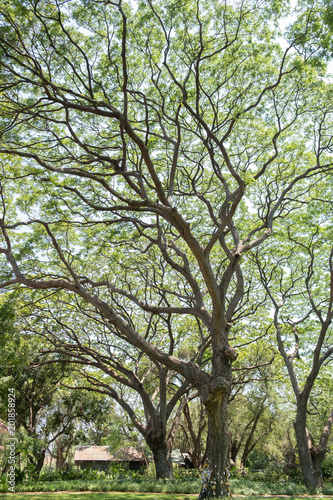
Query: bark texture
{"x":311,"y":456}
{"x":163,"y":463}
{"x":156,"y":439}
{"x":215,"y":480}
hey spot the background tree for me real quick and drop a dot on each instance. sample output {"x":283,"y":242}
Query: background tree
{"x":192,"y":436}
{"x":152,"y":396}
{"x":48,"y":416}
{"x":148,"y":157}
{"x":34,"y":390}
{"x":258,"y":393}
{"x":45,"y":414}
{"x":70,"y":418}
{"x":299,"y":281}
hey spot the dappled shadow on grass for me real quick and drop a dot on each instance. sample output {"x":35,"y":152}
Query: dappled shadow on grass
{"x":94,"y":496}
{"x":127,"y":496}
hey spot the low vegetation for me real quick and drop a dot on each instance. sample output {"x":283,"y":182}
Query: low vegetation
{"x":189,"y":485}
{"x":248,"y":482}
{"x":97,"y":496}
{"x":115,"y":496}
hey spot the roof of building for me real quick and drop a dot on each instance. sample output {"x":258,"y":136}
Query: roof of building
{"x":3,"y":428}
{"x":102,"y":454}
{"x":177,"y":457}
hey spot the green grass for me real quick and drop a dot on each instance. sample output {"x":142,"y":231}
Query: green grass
{"x":94,"y":496}
{"x":117,"y":496}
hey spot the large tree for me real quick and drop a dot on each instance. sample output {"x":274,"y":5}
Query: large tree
{"x":148,"y":148}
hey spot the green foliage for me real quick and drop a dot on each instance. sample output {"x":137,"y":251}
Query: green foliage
{"x":145,"y":152}
{"x":184,"y":474}
{"x":327,"y":468}
{"x":71,"y":474}
{"x":239,"y":486}
{"x":7,"y":317}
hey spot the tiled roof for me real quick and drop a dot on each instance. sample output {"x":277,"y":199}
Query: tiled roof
{"x":3,"y":428}
{"x":101,"y":453}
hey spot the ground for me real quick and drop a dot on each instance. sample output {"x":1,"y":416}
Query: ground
{"x":87,"y":495}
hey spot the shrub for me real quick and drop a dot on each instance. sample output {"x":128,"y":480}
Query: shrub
{"x":327,"y":468}
{"x":179,"y":473}
{"x":71,"y":474}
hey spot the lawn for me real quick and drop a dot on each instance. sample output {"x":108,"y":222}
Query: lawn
{"x":95,"y":496}
{"x":121,"y":496}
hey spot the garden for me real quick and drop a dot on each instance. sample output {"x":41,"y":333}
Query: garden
{"x":185,"y":482}
{"x":166,"y":248}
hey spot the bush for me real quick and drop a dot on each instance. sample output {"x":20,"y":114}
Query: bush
{"x":241,"y":486}
{"x":327,"y":468}
{"x":179,"y":473}
{"x":50,"y":475}
{"x":116,"y":471}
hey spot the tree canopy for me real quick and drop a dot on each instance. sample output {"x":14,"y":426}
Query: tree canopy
{"x":147,"y":149}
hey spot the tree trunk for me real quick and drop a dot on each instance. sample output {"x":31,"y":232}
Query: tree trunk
{"x":157,"y":442}
{"x":317,"y":460}
{"x":163,"y":463}
{"x":215,"y":479}
{"x":235,"y":445}
{"x":250,"y":442}
{"x":60,"y":461}
{"x":39,"y":464}
{"x":310,"y":456}
{"x":304,"y":450}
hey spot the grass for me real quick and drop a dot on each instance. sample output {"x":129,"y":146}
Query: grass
{"x":117,"y":496}
{"x":94,"y":496}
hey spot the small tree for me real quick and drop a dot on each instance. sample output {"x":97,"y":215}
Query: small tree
{"x":297,"y":279}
